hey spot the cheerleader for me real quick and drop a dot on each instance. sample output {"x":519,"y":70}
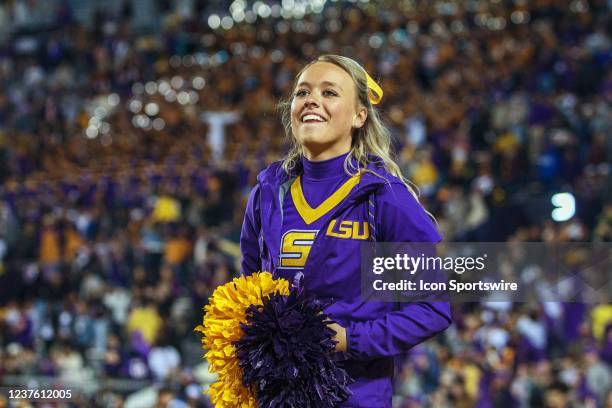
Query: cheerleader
{"x":309,"y":213}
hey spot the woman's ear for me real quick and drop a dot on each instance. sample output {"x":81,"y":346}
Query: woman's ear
{"x":360,"y":118}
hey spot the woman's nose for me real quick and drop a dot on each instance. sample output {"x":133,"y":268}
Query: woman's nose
{"x":311,"y":100}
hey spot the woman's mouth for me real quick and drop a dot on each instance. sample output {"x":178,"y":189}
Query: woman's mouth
{"x":312,"y":118}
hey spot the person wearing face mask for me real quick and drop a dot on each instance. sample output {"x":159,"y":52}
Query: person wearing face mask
{"x":336,"y":188}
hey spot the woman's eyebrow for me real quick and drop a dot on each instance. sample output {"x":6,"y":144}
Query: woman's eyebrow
{"x":326,"y":83}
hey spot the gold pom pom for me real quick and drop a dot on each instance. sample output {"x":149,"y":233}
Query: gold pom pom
{"x":221,"y":328}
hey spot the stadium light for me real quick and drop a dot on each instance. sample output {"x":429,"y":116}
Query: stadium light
{"x":100,"y":111}
{"x":565,"y":204}
{"x":275,"y":10}
{"x":151,"y":87}
{"x":175,"y":61}
{"x":277,"y":56}
{"x":170,"y":96}
{"x":264,"y":11}
{"x":104,"y":128}
{"x":177,"y":82}
{"x":198,"y":83}
{"x":183,"y":98}
{"x":317,"y":6}
{"x":250,"y":17}
{"x":237,"y":6}
{"x":113,"y":99}
{"x":158,"y":124}
{"x":299,"y":12}
{"x":151,"y":109}
{"x":137,"y":88}
{"x":143,"y":121}
{"x":519,"y":17}
{"x":91,"y":132}
{"x":214,"y":21}
{"x":193,"y":97}
{"x":164,"y":87}
{"x":94,"y":121}
{"x":227,"y":22}
{"x":135,"y":106}
{"x":238,"y":16}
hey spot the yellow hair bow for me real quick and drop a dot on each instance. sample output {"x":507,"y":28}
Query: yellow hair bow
{"x":375,"y":92}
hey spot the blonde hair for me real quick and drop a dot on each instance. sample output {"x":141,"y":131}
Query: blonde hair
{"x":373,"y":138}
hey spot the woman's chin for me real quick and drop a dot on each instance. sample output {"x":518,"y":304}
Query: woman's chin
{"x":313,"y":138}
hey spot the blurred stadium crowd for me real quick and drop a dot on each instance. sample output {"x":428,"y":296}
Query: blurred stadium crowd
{"x":127,"y":152}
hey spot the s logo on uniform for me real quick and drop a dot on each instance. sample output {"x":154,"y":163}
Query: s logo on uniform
{"x":295,"y":247}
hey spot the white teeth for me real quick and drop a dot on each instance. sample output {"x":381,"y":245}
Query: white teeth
{"x":313,"y":117}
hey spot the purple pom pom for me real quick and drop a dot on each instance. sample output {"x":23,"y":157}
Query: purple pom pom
{"x":286,"y":354}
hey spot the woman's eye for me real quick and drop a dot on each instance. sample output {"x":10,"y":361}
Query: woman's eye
{"x":301,"y":92}
{"x":329,"y":92}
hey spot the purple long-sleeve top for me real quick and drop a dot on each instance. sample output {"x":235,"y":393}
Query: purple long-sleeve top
{"x":376,"y":331}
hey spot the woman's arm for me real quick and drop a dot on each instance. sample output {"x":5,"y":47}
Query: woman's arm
{"x":249,"y":235}
{"x":400,"y":218}
{"x":397,"y":331}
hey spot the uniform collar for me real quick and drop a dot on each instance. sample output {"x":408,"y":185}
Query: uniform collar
{"x":323,"y":170}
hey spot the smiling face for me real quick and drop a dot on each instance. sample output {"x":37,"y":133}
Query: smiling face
{"x":324,"y":111}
